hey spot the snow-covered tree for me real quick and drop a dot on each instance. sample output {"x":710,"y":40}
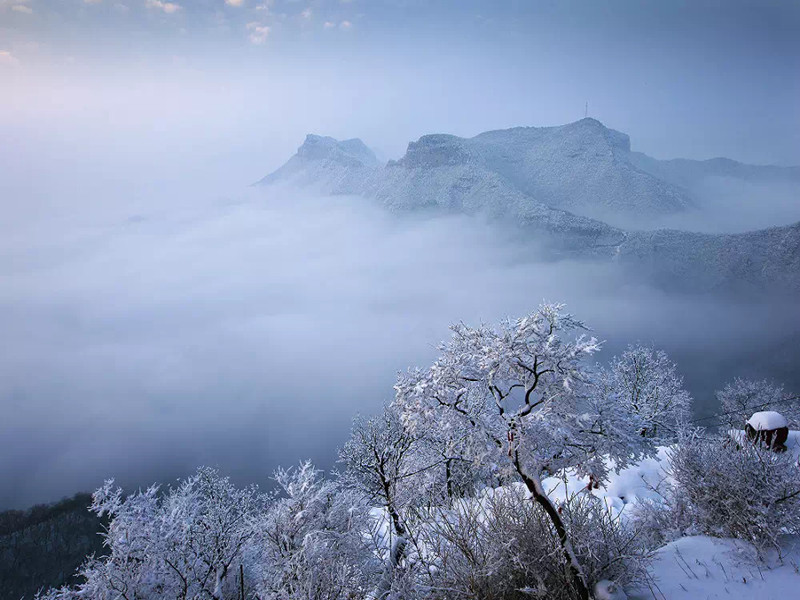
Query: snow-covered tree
{"x":379,"y":461}
{"x":741,"y":398}
{"x":390,"y":467}
{"x":184,"y":543}
{"x":311,"y":543}
{"x":520,"y":394}
{"x":647,"y":383}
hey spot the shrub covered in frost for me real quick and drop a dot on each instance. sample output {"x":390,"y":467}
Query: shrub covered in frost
{"x":739,"y":490}
{"x":504,"y":547}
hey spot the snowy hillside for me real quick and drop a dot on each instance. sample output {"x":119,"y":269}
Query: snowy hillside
{"x":700,"y":567}
{"x":512,"y":467}
{"x":758,"y":260}
{"x":696,"y":566}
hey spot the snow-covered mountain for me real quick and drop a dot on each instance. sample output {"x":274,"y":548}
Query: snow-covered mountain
{"x":328,"y":165}
{"x":584,"y":168}
{"x":572,"y":188}
{"x":690,"y":173}
{"x":763,"y":260}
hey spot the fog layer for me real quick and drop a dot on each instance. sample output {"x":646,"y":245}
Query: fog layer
{"x":245,"y":331}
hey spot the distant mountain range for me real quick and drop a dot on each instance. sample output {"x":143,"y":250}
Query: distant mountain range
{"x":574,"y":188}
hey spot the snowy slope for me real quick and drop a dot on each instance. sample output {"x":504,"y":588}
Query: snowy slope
{"x":638,"y":481}
{"x":704,"y":568}
{"x":692,"y":567}
{"x":697,"y":567}
{"x":767,"y":259}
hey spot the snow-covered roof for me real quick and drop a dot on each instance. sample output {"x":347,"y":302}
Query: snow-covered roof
{"x":768,"y":419}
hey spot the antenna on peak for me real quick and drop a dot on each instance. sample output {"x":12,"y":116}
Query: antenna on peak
{"x":586,"y":111}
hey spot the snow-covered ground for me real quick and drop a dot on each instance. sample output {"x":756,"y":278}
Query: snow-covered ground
{"x":639,"y":481}
{"x":704,"y":568}
{"x":698,"y":567}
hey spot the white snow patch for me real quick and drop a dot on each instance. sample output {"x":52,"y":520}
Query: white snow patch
{"x":706,"y":568}
{"x":640,"y":481}
{"x":767,"y":419}
{"x":608,"y":590}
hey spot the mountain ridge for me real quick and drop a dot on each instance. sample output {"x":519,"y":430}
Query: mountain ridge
{"x":566,"y":185}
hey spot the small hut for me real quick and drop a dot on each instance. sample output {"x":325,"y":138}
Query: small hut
{"x":770,"y":428}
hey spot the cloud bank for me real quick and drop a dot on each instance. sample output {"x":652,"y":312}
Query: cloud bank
{"x":245,"y":331}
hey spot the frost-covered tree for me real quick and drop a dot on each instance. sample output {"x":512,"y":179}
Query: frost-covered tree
{"x":184,"y":543}
{"x":390,"y":467}
{"x":311,"y":543}
{"x":741,"y":398}
{"x":647,"y":383}
{"x":379,"y":461}
{"x":520,"y":394}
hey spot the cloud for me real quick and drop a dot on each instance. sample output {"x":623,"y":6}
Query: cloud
{"x":345,"y":25}
{"x":307,"y":13}
{"x":167,"y":7}
{"x":21,"y":8}
{"x":235,"y":3}
{"x":247,"y":334}
{"x":258,"y":32}
{"x":8,"y":59}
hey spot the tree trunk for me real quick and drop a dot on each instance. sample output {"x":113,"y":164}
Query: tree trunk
{"x":449,"y":477}
{"x":534,"y":486}
{"x":397,"y":550}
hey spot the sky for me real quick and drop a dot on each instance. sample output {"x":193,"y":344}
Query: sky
{"x":250,"y":78}
{"x":157,"y":315}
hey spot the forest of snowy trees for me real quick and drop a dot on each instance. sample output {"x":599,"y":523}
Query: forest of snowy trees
{"x":447,"y":493}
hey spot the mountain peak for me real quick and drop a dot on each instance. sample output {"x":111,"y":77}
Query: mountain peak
{"x":589,"y":127}
{"x":435,"y":150}
{"x":352,"y":152}
{"x":326,"y":161}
